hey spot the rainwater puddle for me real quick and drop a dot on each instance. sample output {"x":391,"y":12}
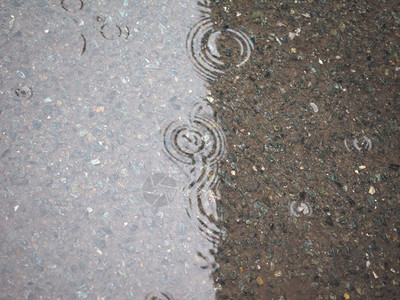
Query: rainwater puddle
{"x":111,"y":151}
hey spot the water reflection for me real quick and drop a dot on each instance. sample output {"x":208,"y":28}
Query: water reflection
{"x":159,"y":189}
{"x":91,"y":204}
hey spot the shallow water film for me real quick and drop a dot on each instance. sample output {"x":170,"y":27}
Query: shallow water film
{"x":181,"y":149}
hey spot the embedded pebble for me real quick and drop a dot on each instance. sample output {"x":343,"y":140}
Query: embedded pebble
{"x":371,"y":190}
{"x":314,"y":107}
{"x":20,"y":74}
{"x":95,"y":162}
{"x":297,"y":209}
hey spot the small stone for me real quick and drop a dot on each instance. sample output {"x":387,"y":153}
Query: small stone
{"x":373,"y":246}
{"x":329,"y":221}
{"x":233,"y":172}
{"x":379,"y":294}
{"x":362,"y":167}
{"x":99,"y":109}
{"x":90,"y":275}
{"x":278,"y":273}
{"x":371,"y":200}
{"x":314,"y":107}
{"x":371,"y":190}
{"x":95,"y":162}
{"x":81,"y":294}
{"x":314,"y":262}
{"x":257,"y":15}
{"x":210,"y":99}
{"x":83,"y":133}
{"x":37,"y":124}
{"x":121,"y":140}
{"x":20,"y":74}
{"x":260,"y":280}
{"x":334,"y":281}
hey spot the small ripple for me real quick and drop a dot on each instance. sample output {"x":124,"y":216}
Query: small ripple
{"x":203,"y":43}
{"x":159,"y":296}
{"x":24,"y":92}
{"x":198,"y":145}
{"x":363,"y":143}
{"x":84,"y":44}
{"x":198,"y":140}
{"x":110,"y":32}
{"x":72,"y":5}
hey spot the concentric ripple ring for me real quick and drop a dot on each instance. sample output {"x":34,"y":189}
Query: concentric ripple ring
{"x":199,"y":140}
{"x":201,"y":45}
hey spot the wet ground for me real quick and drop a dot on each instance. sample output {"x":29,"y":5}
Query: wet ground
{"x":199,"y":150}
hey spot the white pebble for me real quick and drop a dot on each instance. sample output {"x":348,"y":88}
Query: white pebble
{"x":314,"y":107}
